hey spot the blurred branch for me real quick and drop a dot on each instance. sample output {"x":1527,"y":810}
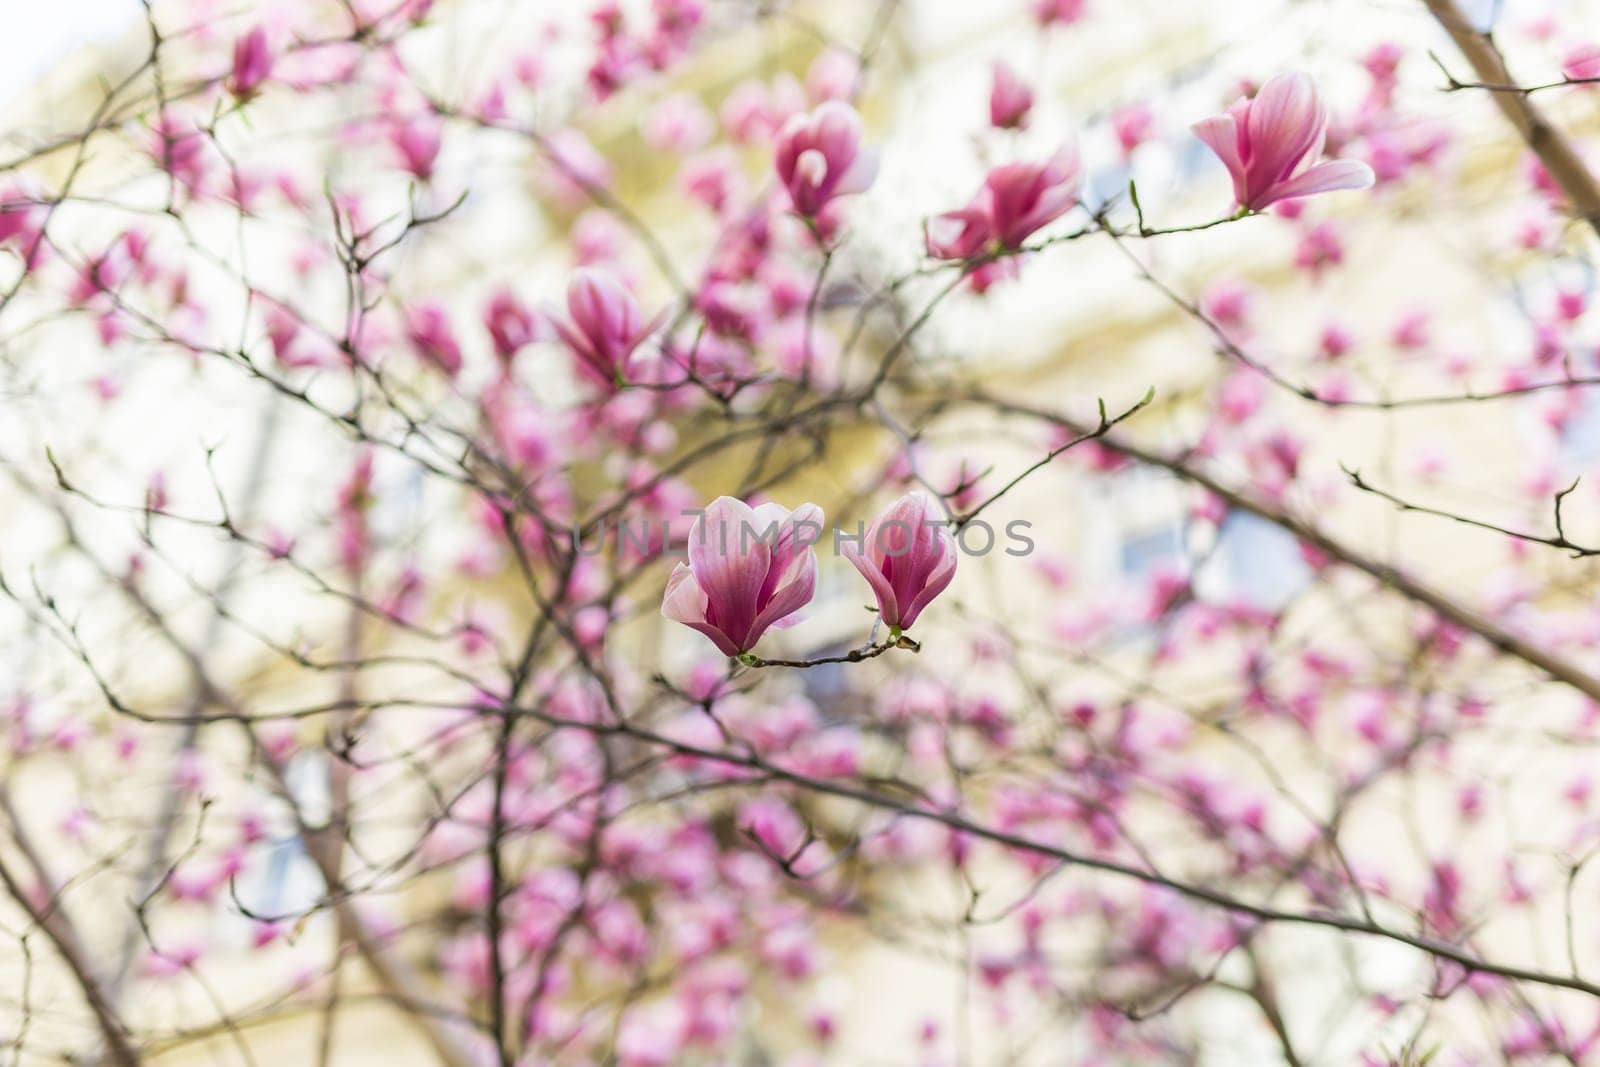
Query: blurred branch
{"x":1547,"y":142}
{"x":1559,"y":540}
{"x":1194,"y":891}
{"x":228,"y":578}
{"x":53,"y":920}
{"x":1388,"y":575}
{"x":1455,"y":85}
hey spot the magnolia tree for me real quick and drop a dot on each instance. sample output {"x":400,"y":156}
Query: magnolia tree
{"x":524,"y":520}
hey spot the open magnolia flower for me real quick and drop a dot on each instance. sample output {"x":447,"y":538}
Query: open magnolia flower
{"x":909,"y":558}
{"x":1271,"y":143}
{"x":606,"y":327}
{"x":819,"y":157}
{"x":1016,"y":200}
{"x":749,"y":569}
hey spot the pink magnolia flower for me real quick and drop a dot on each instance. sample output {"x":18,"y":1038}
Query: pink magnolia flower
{"x":1335,"y":341}
{"x":1241,"y":396}
{"x":675,"y":23}
{"x":1271,"y":143}
{"x":264,"y":933}
{"x":606,"y":326}
{"x":1016,"y":200}
{"x":754,"y":111}
{"x":652,"y":1036}
{"x":180,"y":149}
{"x":909,"y":558}
{"x":597,"y":237}
{"x":989,"y":275}
{"x":293,"y":345}
{"x":1383,"y":64}
{"x":1027,"y":196}
{"x":417,"y":142}
{"x":20,"y":217}
{"x":680,"y":123}
{"x":1133,"y":126}
{"x":1571,"y":304}
{"x":1058,"y":12}
{"x":173,"y":961}
{"x":833,"y":75}
{"x":960,"y":234}
{"x":252,"y":63}
{"x":1010,"y":99}
{"x":1383,"y":61}
{"x":512,"y":325}
{"x":1320,"y":247}
{"x":617,"y":61}
{"x":712,"y":179}
{"x":576,"y":166}
{"x":1410,"y":330}
{"x":430,"y":333}
{"x":1582,"y":63}
{"x":749,"y":569}
{"x":819,"y":156}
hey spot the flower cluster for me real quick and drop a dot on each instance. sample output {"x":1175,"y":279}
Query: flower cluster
{"x":751,"y":569}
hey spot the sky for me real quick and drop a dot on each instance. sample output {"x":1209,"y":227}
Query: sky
{"x":39,"y":35}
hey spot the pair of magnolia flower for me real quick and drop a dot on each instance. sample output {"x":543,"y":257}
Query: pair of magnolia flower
{"x":820,"y":157}
{"x":751,"y":569}
{"x":1271,"y":145}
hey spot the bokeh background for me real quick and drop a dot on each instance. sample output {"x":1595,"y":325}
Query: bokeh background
{"x":1183,"y":586}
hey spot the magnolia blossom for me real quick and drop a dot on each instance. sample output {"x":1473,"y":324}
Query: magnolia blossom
{"x":1017,"y":199}
{"x":1133,"y":126}
{"x":417,"y":142}
{"x":252,"y":63}
{"x":292,"y":344}
{"x":1010,"y":99}
{"x":511,"y":325}
{"x":1271,"y":143}
{"x":749,"y":569}
{"x":680,"y":123}
{"x":1582,"y":63}
{"x":833,"y":75}
{"x":909,"y":558}
{"x":606,"y":327}
{"x":430,"y":333}
{"x":753,"y":111}
{"x":820,"y":156}
{"x":576,"y":166}
{"x":1058,"y":12}
{"x":20,"y":215}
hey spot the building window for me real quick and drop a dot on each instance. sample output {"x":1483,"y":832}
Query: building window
{"x":1255,"y":563}
{"x":1580,"y":434}
{"x":1147,"y":552}
{"x":282,"y":881}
